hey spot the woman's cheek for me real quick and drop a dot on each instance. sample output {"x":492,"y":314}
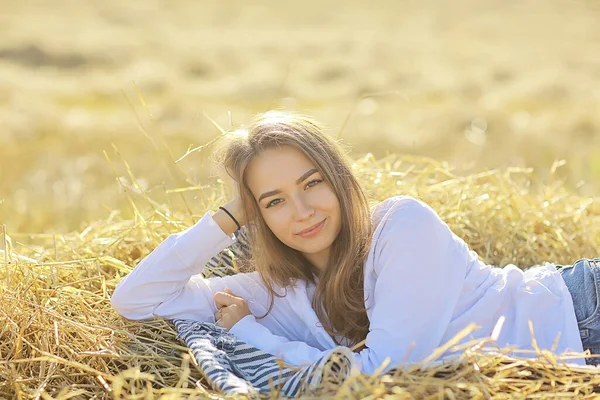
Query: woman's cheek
{"x":275,"y":221}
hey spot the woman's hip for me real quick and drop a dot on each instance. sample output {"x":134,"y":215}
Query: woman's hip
{"x":583,"y":281}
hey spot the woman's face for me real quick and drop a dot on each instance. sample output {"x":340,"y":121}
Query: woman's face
{"x":293,"y":196}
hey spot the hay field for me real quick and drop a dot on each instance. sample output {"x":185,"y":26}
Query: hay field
{"x":478,"y":83}
{"x":488,"y":110}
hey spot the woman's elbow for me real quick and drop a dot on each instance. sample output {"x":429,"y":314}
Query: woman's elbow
{"x":122,"y":302}
{"x":119,"y":303}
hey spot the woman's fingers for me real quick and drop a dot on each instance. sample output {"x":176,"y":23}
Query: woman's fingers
{"x":228,"y":316}
{"x":223,"y":299}
{"x":231,"y":308}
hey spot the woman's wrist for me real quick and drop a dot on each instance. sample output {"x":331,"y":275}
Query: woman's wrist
{"x":231,"y":216}
{"x":225,"y":221}
{"x":234,"y":207}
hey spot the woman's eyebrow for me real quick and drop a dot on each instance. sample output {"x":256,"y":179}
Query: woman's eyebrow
{"x":298,"y":181}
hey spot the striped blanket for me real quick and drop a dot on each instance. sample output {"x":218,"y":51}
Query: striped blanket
{"x":234,"y":367}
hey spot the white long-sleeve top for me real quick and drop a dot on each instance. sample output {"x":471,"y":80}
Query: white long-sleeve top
{"x":422,"y":286}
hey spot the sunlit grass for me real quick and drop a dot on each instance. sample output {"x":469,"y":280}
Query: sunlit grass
{"x":62,"y":337}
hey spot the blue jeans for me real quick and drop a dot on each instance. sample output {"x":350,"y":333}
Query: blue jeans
{"x":583,"y":281}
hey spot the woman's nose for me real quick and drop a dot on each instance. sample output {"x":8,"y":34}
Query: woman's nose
{"x":303,"y":210}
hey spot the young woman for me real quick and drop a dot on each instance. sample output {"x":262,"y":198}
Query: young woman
{"x":393,"y":281}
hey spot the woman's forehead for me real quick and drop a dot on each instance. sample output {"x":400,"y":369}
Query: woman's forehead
{"x":282,"y":158}
{"x":276,"y":167}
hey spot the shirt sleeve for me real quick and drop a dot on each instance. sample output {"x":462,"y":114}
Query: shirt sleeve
{"x":168,"y":282}
{"x":260,"y":336}
{"x":416,"y":289}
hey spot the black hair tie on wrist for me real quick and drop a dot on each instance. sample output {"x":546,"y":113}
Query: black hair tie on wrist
{"x":232,"y":217}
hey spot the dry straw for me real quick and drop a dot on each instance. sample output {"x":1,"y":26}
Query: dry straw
{"x":61,"y":339}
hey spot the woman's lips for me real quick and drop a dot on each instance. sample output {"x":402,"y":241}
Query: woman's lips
{"x":314,"y":230}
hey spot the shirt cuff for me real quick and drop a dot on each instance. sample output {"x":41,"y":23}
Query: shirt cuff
{"x":250,"y":331}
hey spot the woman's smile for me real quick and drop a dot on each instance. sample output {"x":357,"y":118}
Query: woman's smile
{"x":313,"y":231}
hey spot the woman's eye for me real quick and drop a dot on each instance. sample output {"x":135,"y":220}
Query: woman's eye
{"x":314,"y":181}
{"x":274,"y":201}
{"x":271,"y":203}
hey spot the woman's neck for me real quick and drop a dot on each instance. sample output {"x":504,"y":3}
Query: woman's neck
{"x":318,"y":260}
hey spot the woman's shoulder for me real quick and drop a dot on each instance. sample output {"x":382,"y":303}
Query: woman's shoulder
{"x":399,"y":205}
{"x":399,"y":213}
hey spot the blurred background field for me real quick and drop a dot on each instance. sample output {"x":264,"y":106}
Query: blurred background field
{"x":478,"y":83}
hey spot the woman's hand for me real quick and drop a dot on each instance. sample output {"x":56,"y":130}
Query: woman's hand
{"x":225,"y":222}
{"x":235,"y":207}
{"x":231,"y":307}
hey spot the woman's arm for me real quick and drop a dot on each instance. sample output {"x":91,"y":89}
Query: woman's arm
{"x":167,"y":283}
{"x":418,"y":283}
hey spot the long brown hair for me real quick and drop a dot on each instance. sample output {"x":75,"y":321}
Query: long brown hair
{"x":339,"y":293}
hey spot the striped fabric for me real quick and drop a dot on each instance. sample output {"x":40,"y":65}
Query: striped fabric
{"x":234,"y":367}
{"x":227,"y":262}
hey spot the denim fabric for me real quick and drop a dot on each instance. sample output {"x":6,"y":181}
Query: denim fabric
{"x":583,"y":281}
